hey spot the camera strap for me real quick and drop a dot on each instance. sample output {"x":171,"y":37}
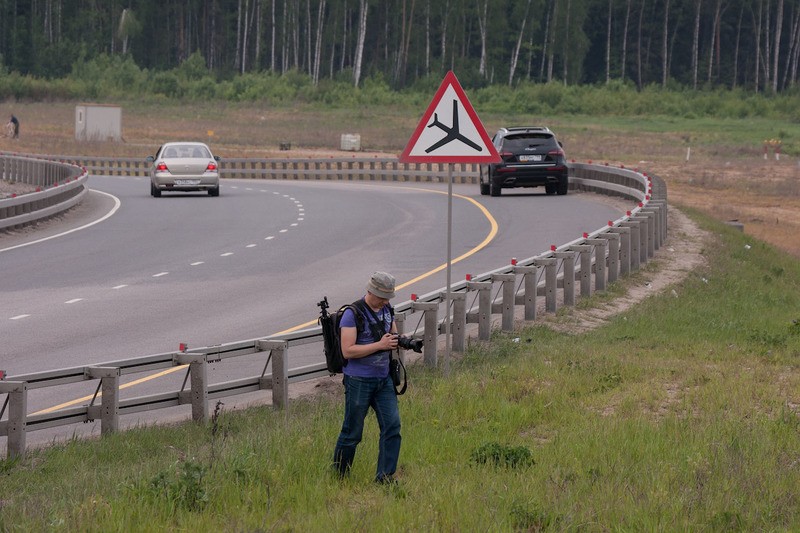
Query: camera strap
{"x":376,"y":326}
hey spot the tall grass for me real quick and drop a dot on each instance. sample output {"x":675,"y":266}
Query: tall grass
{"x":680,"y":414}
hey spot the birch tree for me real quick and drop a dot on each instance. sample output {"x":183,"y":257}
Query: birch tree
{"x":515,"y":53}
{"x":362,"y":33}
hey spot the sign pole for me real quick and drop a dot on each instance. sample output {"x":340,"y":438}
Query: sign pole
{"x":448,"y":296}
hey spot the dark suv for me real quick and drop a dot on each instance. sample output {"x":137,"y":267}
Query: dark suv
{"x":532,"y":157}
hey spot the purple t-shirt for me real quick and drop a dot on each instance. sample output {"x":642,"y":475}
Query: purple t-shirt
{"x":375,"y":365}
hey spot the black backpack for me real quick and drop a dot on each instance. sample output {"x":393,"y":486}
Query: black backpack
{"x":334,"y":359}
{"x":331,"y":332}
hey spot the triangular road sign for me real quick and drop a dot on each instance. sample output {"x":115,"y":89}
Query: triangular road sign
{"x":450,"y":131}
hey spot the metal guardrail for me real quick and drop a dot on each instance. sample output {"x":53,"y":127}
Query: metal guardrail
{"x":59,"y":186}
{"x":582,"y":266}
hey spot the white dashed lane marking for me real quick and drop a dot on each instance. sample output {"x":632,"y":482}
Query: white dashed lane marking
{"x":300,"y":218}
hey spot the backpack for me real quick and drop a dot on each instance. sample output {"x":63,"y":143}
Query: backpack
{"x":331,"y":332}
{"x":334,"y":359}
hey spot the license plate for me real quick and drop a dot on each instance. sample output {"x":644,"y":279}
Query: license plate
{"x":534,"y":157}
{"x":187,"y":182}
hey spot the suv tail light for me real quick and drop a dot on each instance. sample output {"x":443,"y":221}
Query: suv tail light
{"x":211,"y":166}
{"x":507,"y":155}
{"x":162,"y":167}
{"x":556,"y":153}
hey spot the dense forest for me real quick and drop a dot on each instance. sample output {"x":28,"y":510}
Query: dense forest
{"x":748,"y":44}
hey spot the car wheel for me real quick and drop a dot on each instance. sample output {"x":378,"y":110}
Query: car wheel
{"x":563,"y":185}
{"x":484,"y":186}
{"x":550,"y":188}
{"x":214,"y":191}
{"x":155,"y":192}
{"x":494,"y":188}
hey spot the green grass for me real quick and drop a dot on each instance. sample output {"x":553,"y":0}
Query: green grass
{"x":680,"y":415}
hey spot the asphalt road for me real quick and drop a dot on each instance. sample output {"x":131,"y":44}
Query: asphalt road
{"x":254,"y":262}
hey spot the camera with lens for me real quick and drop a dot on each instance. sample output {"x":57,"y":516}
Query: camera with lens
{"x":410,"y":343}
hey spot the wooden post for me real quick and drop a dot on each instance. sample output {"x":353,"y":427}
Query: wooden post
{"x":484,"y":316}
{"x":568,"y":262}
{"x":600,"y":246}
{"x":506,"y":307}
{"x":550,"y":265}
{"x":431,"y":310}
{"x":459,"y":324}
{"x":528,"y":298}
{"x":17,"y":412}
{"x":198,"y":376}
{"x":109,"y":406}
{"x":280,"y":371}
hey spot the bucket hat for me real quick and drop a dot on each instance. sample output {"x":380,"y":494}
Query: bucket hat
{"x":381,"y":285}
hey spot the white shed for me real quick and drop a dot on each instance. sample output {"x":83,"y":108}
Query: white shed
{"x":98,"y":122}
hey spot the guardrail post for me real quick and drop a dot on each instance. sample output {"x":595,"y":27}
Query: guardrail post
{"x":280,"y":371}
{"x":506,"y":307}
{"x":568,"y":280}
{"x":662,"y":209}
{"x":17,"y":412}
{"x":585,"y":252}
{"x":484,"y":315}
{"x":458,"y":327}
{"x":600,"y":246}
{"x":550,"y":265}
{"x":431,"y":310}
{"x":636,"y":243}
{"x":109,"y":399}
{"x":624,"y":249}
{"x":649,"y":230}
{"x":612,"y":242}
{"x":528,"y":298}
{"x":654,"y":221}
{"x":198,"y":376}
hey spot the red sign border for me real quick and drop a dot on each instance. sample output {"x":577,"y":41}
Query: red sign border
{"x":491,"y":157}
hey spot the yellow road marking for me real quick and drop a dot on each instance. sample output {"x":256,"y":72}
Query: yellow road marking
{"x":489,"y":237}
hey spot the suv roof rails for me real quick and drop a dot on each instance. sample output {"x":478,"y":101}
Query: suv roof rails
{"x":517,"y":129}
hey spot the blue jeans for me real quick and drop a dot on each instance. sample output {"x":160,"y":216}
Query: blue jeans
{"x":360,"y":395}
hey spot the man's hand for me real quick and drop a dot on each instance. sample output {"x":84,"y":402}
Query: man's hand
{"x":388,"y":341}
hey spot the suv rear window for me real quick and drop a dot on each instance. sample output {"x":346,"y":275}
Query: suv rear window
{"x":520,"y":142}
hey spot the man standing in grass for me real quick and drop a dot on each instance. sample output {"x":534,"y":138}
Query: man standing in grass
{"x":367,"y":341}
{"x":13,"y":127}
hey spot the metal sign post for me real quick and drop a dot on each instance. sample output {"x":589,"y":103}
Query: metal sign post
{"x":449,"y":132}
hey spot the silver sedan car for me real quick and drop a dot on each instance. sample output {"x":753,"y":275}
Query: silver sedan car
{"x":184,"y":166}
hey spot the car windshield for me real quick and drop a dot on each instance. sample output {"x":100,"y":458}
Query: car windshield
{"x":528,"y":140}
{"x":191,"y":151}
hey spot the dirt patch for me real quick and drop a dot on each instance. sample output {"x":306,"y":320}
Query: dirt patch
{"x":680,"y":255}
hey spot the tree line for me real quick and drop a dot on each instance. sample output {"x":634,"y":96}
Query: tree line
{"x":748,"y":44}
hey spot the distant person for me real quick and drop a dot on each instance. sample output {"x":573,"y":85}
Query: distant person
{"x":13,"y":127}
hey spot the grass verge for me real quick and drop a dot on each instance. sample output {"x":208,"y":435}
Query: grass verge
{"x":680,"y":414}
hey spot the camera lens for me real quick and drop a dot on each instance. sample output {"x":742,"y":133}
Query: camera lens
{"x":408,"y":343}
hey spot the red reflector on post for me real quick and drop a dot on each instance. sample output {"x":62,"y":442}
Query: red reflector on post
{"x":610,"y":223}
{"x":553,"y":247}
{"x":627,"y":213}
{"x":2,"y":375}
{"x":469,"y":277}
{"x":513,"y":261}
{"x":413,"y":297}
{"x":585,"y":235}
{"x":182,"y":347}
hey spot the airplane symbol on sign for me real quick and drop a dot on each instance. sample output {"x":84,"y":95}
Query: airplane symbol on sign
{"x":452,"y":133}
